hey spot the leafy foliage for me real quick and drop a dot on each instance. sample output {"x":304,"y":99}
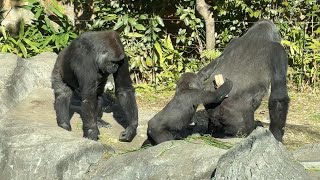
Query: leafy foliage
{"x":166,"y":38}
{"x":43,"y":34}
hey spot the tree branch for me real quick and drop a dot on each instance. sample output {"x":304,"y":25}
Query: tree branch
{"x":203,"y":9}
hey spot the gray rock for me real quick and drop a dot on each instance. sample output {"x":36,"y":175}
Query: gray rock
{"x":308,"y":156}
{"x":20,"y":76}
{"x":169,"y":160}
{"x":309,"y":152}
{"x":259,"y":157}
{"x":30,"y":150}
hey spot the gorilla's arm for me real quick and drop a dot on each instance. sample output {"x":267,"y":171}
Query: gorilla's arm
{"x":208,"y":97}
{"x":126,"y":96}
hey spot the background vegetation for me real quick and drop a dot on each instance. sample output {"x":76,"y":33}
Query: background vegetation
{"x":166,"y":38}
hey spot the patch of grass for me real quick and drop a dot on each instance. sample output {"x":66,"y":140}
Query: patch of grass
{"x":153,"y":99}
{"x":312,"y":169}
{"x":315,"y":117}
{"x":135,"y":149}
{"x":207,"y":139}
{"x":105,"y":139}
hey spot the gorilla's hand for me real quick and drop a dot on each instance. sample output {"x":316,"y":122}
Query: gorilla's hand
{"x":128,"y":134}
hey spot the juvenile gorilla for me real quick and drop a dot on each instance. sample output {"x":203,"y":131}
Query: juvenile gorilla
{"x":178,"y":113}
{"x":82,"y":69}
{"x":252,"y":62}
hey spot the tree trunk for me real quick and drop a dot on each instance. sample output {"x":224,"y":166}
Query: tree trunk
{"x":203,"y":9}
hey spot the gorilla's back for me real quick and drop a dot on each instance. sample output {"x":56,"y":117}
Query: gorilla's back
{"x":238,"y":61}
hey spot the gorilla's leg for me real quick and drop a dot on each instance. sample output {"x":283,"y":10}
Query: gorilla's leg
{"x":89,"y":109}
{"x":63,"y":95}
{"x":100,"y":122}
{"x":157,"y":137}
{"x":236,"y":119}
{"x":279,"y":100}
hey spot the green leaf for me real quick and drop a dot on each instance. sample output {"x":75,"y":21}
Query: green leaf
{"x":118,"y":24}
{"x":126,"y":29}
{"x":55,"y":11}
{"x":132,"y":21}
{"x":183,"y":16}
{"x":27,"y":7}
{"x":160,"y":21}
{"x":3,"y":31}
{"x":143,"y":17}
{"x":125,"y":19}
{"x":38,"y":13}
{"x":23,"y":49}
{"x":21,"y":29}
{"x":31,"y":44}
{"x":169,"y":43}
{"x":158,"y":49}
{"x":134,"y":35}
{"x":140,"y":27}
{"x":149,"y":62}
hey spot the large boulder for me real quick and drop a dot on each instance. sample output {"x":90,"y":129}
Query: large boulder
{"x":18,"y":77}
{"x":169,"y":160}
{"x":260,"y":156}
{"x":31,"y":150}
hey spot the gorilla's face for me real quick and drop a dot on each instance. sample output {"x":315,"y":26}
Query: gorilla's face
{"x":111,"y":67}
{"x":107,"y":63}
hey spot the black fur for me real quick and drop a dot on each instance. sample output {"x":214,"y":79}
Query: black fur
{"x":82,"y":68}
{"x":253,"y":62}
{"x":178,"y":113}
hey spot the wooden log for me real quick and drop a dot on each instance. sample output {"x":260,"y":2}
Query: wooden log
{"x":219,"y":81}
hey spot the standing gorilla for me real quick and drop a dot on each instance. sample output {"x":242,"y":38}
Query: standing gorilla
{"x":83,"y":68}
{"x":252,"y":62}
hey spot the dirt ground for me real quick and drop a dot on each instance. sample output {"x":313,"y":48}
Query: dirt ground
{"x":303,"y":124}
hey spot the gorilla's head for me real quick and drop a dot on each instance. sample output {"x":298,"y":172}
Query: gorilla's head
{"x":108,"y":62}
{"x":187,"y":81}
{"x":110,"y":52}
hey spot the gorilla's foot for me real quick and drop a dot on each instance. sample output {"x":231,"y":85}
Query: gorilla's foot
{"x":258,"y":123}
{"x":278,"y":134}
{"x":128,"y":134}
{"x":91,"y":134}
{"x":65,"y":126}
{"x":101,"y":123}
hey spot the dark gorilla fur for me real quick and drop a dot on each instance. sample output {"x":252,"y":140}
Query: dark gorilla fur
{"x":252,"y":62}
{"x":82,"y":68}
{"x":178,"y":113}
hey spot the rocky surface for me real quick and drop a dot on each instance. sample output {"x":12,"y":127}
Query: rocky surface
{"x":309,"y":156}
{"x":18,"y":77}
{"x":169,"y":160}
{"x":259,"y":157}
{"x":31,"y":150}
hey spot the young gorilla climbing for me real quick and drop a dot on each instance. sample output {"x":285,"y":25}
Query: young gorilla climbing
{"x":178,"y":113}
{"x":82,"y":69}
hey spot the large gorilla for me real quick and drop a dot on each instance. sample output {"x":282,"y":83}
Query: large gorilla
{"x":82,"y":68}
{"x":252,"y":62}
{"x":177,"y":114}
